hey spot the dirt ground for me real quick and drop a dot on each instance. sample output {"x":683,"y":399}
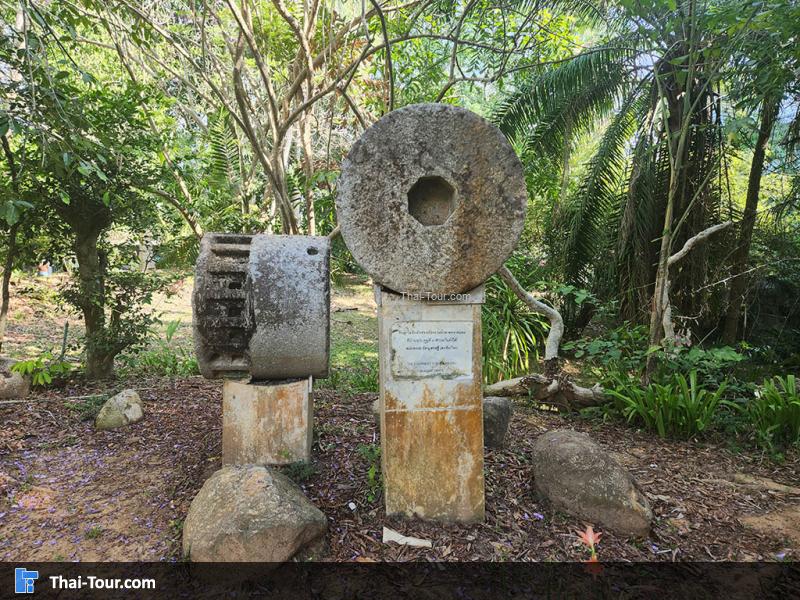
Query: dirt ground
{"x":68,"y":492}
{"x":36,"y":319}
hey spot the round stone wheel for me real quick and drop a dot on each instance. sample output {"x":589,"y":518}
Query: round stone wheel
{"x":431,"y":200}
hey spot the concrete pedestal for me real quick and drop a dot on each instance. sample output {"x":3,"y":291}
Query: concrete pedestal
{"x":431,"y":405}
{"x":266,"y":423}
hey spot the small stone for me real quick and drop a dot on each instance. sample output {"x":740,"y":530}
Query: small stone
{"x":496,"y":417}
{"x":12,"y":385}
{"x":120,"y":410}
{"x":577,"y":476}
{"x":250,"y":514}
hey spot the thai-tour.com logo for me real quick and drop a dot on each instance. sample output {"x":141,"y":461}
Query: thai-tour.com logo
{"x":23,"y":580}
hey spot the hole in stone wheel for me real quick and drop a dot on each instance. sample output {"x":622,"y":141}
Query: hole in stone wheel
{"x":312,"y":251}
{"x":431,"y":200}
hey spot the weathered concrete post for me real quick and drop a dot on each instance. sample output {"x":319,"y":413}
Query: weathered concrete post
{"x":431,"y":201}
{"x":261,"y":309}
{"x":267,"y":423}
{"x":432,"y":417}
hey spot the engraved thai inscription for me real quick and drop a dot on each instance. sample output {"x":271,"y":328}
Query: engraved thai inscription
{"x":422,"y":349}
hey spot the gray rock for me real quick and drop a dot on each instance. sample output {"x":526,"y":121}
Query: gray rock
{"x":577,"y":476}
{"x":496,"y":417}
{"x":250,"y":514}
{"x":120,"y":410}
{"x":12,"y":385}
{"x":431,"y":199}
{"x":261,"y":306}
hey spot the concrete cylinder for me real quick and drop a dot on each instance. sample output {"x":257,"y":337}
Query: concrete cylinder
{"x":431,"y":200}
{"x":291,"y":306}
{"x":261,"y":306}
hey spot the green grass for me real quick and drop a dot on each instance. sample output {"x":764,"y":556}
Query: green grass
{"x":354,"y":344}
{"x":87,"y":408}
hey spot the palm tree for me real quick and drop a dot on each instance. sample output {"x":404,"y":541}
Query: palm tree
{"x":652,"y":86}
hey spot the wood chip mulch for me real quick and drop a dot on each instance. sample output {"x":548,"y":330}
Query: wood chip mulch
{"x":68,"y":492}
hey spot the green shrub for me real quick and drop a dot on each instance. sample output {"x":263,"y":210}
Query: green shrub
{"x":713,"y":365}
{"x":678,"y":408}
{"x":165,"y":361}
{"x":166,"y":358}
{"x":773,"y":413}
{"x":623,"y":348}
{"x":511,"y":333}
{"x":624,"y":351}
{"x":43,"y":369}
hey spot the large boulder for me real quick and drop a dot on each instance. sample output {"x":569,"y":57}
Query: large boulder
{"x":250,"y":514}
{"x":12,"y":385}
{"x":496,"y":417}
{"x":577,"y":476}
{"x":120,"y":410}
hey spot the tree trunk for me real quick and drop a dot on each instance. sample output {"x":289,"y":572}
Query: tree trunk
{"x":12,"y":242}
{"x":99,"y":357}
{"x":769,"y":114}
{"x":677,"y":128}
{"x":559,"y":391}
{"x":661,"y":289}
{"x":9,"y":265}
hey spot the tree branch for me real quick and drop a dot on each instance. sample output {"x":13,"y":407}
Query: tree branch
{"x":695,"y":241}
{"x":389,"y":69}
{"x":556,"y":322}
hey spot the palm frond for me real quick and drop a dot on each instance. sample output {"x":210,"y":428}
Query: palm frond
{"x":640,"y":224}
{"x":588,"y":11}
{"x":570,"y":97}
{"x":596,"y":202}
{"x":224,"y":161}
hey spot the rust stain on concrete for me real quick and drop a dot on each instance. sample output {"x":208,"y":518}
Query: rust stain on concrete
{"x":433,"y":464}
{"x":266,"y":424}
{"x":432,"y":426}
